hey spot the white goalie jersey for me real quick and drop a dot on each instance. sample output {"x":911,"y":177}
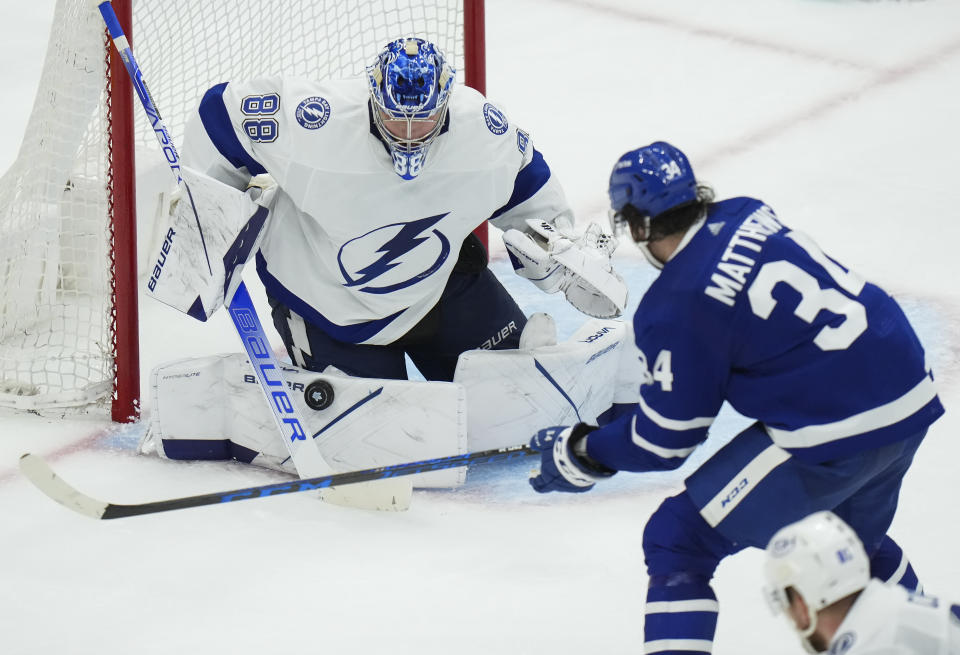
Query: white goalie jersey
{"x":349,"y":245}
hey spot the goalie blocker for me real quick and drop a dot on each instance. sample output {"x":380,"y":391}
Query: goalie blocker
{"x":210,"y":407}
{"x":204,"y":241}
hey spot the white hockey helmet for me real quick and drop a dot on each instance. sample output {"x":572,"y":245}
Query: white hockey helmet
{"x":822,"y":558}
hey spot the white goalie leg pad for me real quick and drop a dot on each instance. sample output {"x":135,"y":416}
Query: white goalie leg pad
{"x":511,"y":394}
{"x":632,"y":371}
{"x":204,"y":242}
{"x":213,"y":408}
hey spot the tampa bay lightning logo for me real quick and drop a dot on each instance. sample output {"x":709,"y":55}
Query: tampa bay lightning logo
{"x":394,"y":256}
{"x":843,"y":643}
{"x":496,"y":121}
{"x":313,"y":112}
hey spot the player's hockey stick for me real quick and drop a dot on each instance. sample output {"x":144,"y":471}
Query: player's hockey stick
{"x":306,"y":457}
{"x":40,"y":474}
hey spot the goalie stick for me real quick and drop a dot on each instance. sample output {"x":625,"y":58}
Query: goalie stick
{"x":36,"y":469}
{"x":306,"y":457}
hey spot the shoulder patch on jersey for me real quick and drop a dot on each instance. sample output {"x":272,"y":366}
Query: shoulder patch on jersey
{"x":496,"y":121}
{"x":522,"y":140}
{"x":313,"y":112}
{"x":843,"y":643}
{"x":716,"y":227}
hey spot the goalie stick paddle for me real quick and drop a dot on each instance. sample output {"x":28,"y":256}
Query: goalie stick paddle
{"x":36,"y":469}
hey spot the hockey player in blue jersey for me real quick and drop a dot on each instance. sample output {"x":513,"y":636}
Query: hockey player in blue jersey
{"x":746,"y":310}
{"x":375,"y":184}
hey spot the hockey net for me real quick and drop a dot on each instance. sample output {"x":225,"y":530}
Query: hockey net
{"x":63,"y":228}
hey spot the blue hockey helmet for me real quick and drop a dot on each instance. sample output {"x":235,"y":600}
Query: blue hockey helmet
{"x":646,"y":183}
{"x":652,"y":179}
{"x":410,"y":84}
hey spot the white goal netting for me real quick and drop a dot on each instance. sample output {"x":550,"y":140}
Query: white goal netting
{"x":57,"y":316}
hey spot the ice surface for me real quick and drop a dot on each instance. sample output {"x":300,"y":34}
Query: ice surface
{"x":842,"y":115}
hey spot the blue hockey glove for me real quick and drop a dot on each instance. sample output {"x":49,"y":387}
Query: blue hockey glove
{"x":561,"y":469}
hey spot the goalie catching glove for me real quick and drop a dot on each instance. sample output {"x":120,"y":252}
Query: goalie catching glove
{"x":580,"y":267}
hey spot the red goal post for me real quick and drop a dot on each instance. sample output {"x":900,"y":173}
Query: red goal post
{"x":69,"y":253}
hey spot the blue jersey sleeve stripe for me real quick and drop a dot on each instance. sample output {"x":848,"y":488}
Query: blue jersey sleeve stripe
{"x":682,"y":606}
{"x":611,"y":445}
{"x":530,"y":179}
{"x":868,"y":421}
{"x":660,"y":451}
{"x":675,"y":425}
{"x":216,"y":121}
{"x":356,"y":333}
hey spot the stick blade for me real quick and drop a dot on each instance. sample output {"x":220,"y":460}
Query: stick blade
{"x":43,"y":478}
{"x":386,"y":495}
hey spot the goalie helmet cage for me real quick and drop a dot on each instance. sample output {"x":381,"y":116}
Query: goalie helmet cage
{"x":68,"y":249}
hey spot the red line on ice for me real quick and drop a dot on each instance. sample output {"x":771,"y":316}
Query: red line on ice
{"x":58,"y":453}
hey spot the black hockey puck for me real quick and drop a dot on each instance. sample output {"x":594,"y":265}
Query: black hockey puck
{"x":318,"y":394}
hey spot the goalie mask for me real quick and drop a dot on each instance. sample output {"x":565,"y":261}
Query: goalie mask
{"x":410,"y":84}
{"x":822,"y":559}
